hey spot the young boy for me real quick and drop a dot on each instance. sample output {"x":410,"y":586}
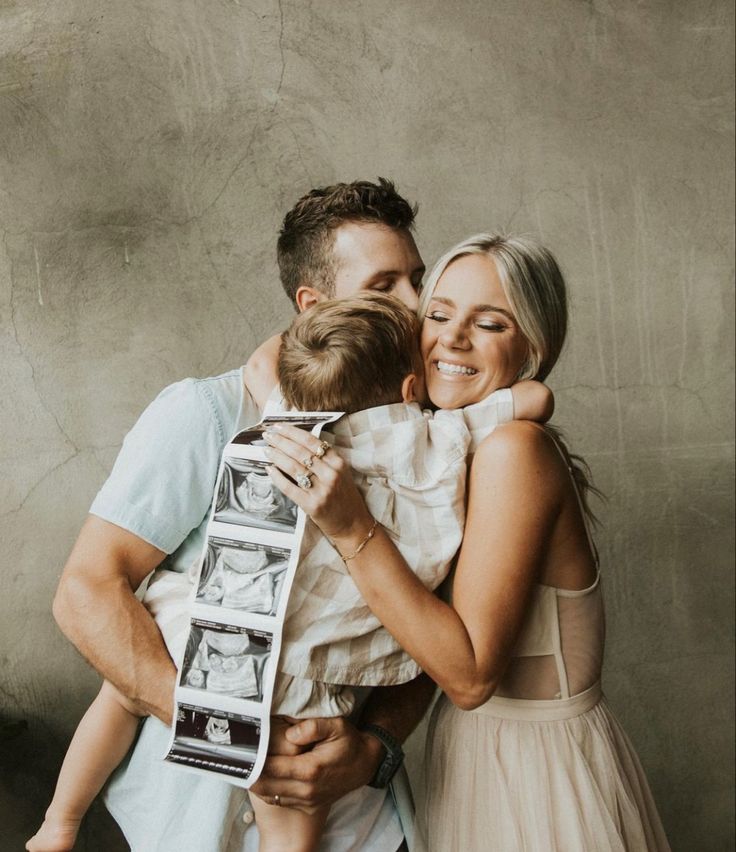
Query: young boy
{"x":360,"y":356}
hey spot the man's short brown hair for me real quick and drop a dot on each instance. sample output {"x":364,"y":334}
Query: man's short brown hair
{"x":349,"y":354}
{"x":307,"y":235}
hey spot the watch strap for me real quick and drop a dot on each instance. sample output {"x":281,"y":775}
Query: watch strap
{"x":392,"y":760}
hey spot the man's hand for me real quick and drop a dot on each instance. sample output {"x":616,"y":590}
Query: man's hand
{"x":318,"y":761}
{"x":96,"y":608}
{"x":339,"y":759}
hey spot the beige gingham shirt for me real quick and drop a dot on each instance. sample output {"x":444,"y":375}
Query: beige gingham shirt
{"x":410,"y":467}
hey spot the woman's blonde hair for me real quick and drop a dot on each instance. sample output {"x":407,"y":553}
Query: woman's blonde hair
{"x":534,"y":287}
{"x":533,"y":284}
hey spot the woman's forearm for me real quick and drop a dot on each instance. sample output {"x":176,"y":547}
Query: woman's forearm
{"x":511,"y":504}
{"x":428,"y":629}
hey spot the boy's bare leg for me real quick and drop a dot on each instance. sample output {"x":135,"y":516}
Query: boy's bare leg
{"x":101,"y":741}
{"x":283,"y":829}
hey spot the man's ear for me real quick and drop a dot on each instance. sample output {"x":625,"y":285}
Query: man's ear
{"x":409,"y":389}
{"x":306,"y":297}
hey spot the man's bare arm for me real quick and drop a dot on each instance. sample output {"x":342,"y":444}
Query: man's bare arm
{"x":96,"y":608}
{"x":399,"y":709}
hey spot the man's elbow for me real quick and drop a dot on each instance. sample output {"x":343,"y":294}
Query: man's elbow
{"x":62,"y":607}
{"x":75,"y":595}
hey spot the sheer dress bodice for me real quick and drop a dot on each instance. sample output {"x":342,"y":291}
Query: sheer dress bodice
{"x":559,"y":651}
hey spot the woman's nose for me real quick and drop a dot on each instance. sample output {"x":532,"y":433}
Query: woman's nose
{"x":454,"y":336}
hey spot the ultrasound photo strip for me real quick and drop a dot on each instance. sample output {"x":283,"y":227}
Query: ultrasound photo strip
{"x":237,"y":609}
{"x":244,"y":576}
{"x":215,"y":740}
{"x":248,"y":497}
{"x":225,"y":659}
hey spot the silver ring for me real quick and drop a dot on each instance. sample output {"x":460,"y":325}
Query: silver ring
{"x":307,"y":462}
{"x":277,"y":800}
{"x":323,"y":447}
{"x":304,"y":480}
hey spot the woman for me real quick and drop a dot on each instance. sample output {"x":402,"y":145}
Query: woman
{"x":522,"y":752}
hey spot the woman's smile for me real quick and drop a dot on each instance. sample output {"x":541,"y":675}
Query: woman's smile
{"x":471,"y":344}
{"x":447,"y":368}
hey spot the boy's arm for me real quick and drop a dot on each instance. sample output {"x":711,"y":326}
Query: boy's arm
{"x":260,"y":373}
{"x":532,"y":401}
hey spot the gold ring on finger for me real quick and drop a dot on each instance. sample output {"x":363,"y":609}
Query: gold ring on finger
{"x":323,"y":447}
{"x":308,"y":462}
{"x":277,"y":800}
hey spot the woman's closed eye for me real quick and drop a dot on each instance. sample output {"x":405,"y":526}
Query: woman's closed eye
{"x":484,"y":324}
{"x":489,"y":325}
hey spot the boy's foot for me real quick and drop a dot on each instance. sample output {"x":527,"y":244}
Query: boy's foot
{"x":55,"y":836}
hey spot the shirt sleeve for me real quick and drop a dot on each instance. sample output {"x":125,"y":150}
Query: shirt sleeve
{"x":161,"y":484}
{"x":482,"y":417}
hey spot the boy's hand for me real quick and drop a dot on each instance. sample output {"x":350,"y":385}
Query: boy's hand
{"x":532,"y":401}
{"x":260,"y":373}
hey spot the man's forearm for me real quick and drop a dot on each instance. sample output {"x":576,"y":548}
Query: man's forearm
{"x":399,"y":709}
{"x":96,"y":608}
{"x":116,"y":634}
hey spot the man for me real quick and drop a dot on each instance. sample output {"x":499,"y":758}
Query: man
{"x":152,"y":513}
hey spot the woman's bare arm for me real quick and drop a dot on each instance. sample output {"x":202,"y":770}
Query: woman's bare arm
{"x":514,"y":500}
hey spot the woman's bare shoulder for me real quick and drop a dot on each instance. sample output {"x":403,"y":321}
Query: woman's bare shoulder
{"x":521,"y":448}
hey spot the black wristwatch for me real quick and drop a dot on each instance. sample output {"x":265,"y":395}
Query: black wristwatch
{"x":393,"y":759}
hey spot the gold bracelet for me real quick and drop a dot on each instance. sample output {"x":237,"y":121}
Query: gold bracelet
{"x":371,"y":533}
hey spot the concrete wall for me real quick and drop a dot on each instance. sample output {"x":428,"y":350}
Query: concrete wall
{"x":148,"y":153}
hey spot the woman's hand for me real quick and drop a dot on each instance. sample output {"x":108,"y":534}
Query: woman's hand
{"x":333,"y":501}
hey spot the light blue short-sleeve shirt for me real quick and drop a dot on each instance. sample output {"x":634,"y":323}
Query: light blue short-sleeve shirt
{"x":160,"y":489}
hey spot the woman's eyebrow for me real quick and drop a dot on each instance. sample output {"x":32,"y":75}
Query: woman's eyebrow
{"x":478,"y":309}
{"x":484,"y":309}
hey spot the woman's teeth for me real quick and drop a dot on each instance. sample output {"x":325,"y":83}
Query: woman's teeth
{"x":455,"y":369}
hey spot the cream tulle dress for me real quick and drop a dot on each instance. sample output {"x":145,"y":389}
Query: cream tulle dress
{"x":543,"y":766}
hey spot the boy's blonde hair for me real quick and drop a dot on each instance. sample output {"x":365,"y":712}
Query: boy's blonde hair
{"x":349,"y":354}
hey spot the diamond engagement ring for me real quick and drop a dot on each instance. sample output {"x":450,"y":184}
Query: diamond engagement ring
{"x":307,"y":462}
{"x":277,"y":800}
{"x":304,"y":480}
{"x":323,"y":447}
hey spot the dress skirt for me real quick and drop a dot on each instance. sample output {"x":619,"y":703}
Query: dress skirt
{"x":535,"y":776}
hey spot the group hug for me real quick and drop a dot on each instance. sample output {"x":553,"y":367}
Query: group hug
{"x":448,"y":562}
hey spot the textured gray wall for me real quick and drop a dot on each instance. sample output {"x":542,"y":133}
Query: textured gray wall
{"x":149,"y":150}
